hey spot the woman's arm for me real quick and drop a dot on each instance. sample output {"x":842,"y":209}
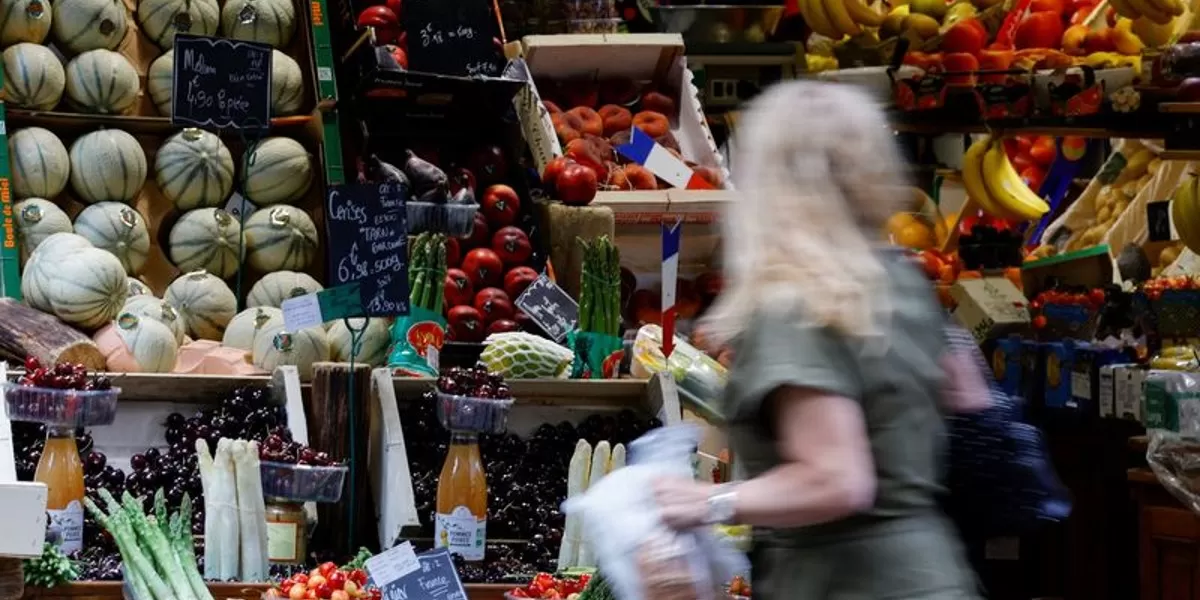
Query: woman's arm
{"x":828,"y":472}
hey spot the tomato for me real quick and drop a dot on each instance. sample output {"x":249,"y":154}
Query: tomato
{"x":483,"y":267}
{"x":1039,"y":322}
{"x":512,"y":246}
{"x":1096,"y":297}
{"x":458,"y":289}
{"x":300,"y":578}
{"x":931,"y":263}
{"x":453,"y":252}
{"x":493,"y":304}
{"x":946,"y":274}
{"x":286,"y":586}
{"x":480,"y":236}
{"x":553,"y":169}
{"x":466,"y":324}
{"x":488,"y":163}
{"x":500,"y":205}
{"x":396,"y":6}
{"x":1043,"y":151}
{"x":517,"y":279}
{"x":577,"y":185}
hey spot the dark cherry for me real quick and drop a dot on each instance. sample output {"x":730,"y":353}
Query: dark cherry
{"x":138,"y":462}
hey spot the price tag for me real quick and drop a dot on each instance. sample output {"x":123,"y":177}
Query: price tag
{"x":237,"y":203}
{"x":550,"y":307}
{"x":368,"y":243}
{"x":436,"y":579}
{"x":451,"y":37}
{"x":221,"y":83}
{"x":388,"y":567}
{"x":1159,"y":224}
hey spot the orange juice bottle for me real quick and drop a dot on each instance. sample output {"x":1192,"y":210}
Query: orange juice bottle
{"x":460,"y":523}
{"x":61,"y":470}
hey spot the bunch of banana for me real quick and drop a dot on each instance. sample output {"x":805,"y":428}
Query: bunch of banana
{"x":1159,"y":11}
{"x":1185,"y":212}
{"x":994,"y":184}
{"x":836,"y":19}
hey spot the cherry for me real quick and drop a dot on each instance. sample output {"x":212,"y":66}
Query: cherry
{"x":32,"y":364}
{"x":138,"y":462}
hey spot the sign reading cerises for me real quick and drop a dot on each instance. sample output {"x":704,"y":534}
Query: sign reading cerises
{"x":221,"y":83}
{"x":368,"y":243}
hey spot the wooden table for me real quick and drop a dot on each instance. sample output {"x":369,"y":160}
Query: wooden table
{"x":1168,"y":541}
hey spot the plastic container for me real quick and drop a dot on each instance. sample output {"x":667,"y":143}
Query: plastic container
{"x":64,"y":408}
{"x":303,"y":483}
{"x":479,"y":415}
{"x":451,"y":219}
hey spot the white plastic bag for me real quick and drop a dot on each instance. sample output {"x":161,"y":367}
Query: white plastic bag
{"x":641,"y":557}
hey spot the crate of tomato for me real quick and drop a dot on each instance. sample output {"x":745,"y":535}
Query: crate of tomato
{"x":1067,"y":314}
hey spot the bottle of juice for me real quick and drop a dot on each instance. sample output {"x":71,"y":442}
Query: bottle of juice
{"x":461,"y":520}
{"x":61,"y":470}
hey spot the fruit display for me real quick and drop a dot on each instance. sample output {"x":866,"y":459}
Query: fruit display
{"x":995,"y":185}
{"x":1185,"y":214}
{"x":326,"y":582}
{"x":1165,"y":257}
{"x":63,"y":394}
{"x":546,"y":585}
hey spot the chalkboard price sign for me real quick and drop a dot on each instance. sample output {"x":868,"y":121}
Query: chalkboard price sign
{"x":1158,"y":221}
{"x":435,"y":579}
{"x":368,"y":242}
{"x":221,"y":83}
{"x":550,"y":307}
{"x":451,"y":37}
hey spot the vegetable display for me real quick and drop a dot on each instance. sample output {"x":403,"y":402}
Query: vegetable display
{"x":50,"y":569}
{"x":235,"y":532}
{"x":600,"y":291}
{"x":427,"y":271}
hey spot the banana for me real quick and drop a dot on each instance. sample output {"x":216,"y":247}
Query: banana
{"x":863,"y":14}
{"x":1007,"y":188}
{"x":839,"y":17}
{"x":1150,"y":11}
{"x":814,"y":15}
{"x":1183,"y":212}
{"x":1124,"y":9}
{"x":972,"y":174}
{"x":1170,"y":7}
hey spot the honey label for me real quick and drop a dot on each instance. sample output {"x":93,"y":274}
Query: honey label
{"x":461,"y":532}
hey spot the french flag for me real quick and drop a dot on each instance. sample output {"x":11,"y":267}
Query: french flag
{"x":671,"y":235}
{"x":644,"y":151}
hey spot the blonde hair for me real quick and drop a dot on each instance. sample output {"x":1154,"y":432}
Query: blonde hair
{"x":817,"y":173}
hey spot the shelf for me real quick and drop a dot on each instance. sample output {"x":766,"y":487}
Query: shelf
{"x":1102,"y":249}
{"x":137,"y":125}
{"x":1106,"y":126}
{"x":700,"y":207}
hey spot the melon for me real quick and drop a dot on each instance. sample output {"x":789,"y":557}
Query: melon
{"x":82,"y":25}
{"x":37,"y":219}
{"x":375,"y":342}
{"x":162,"y":19}
{"x":246,"y":324}
{"x":279,"y":171}
{"x":33,"y":77}
{"x":194,"y":169}
{"x":150,"y":342}
{"x":107,"y":166}
{"x":287,"y":84}
{"x":40,"y":164}
{"x":205,"y":303}
{"x":24,"y":21}
{"x":158,"y":309}
{"x":266,"y":21}
{"x":275,"y":346}
{"x":280,"y":237}
{"x":52,"y":250}
{"x":137,"y":288}
{"x":85,"y":287}
{"x":276,"y":287}
{"x":119,"y":229}
{"x":160,"y":81}
{"x":102,"y":81}
{"x":208,"y":239}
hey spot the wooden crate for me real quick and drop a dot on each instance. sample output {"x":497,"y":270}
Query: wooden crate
{"x":111,"y":590}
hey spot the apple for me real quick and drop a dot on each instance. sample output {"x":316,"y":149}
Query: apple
{"x":466,"y":324}
{"x":577,"y":185}
{"x":500,"y":205}
{"x":1039,"y":30}
{"x":512,"y":246}
{"x":458,"y":289}
{"x":517,"y":279}
{"x":483,"y":267}
{"x":297,"y":592}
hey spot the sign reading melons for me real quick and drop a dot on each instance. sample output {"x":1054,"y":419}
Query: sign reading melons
{"x":221,"y":83}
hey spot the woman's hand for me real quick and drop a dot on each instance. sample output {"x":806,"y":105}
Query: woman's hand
{"x":683,"y":503}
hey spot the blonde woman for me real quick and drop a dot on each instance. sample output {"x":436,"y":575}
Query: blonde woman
{"x":834,"y":396}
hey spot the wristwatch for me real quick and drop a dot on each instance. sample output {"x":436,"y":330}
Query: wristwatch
{"x":722,"y":506}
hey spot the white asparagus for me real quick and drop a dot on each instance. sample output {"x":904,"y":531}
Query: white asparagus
{"x":577,"y":480}
{"x":601,"y":463}
{"x":226,"y":505}
{"x":618,"y":458}
{"x":212,"y":540}
{"x":251,"y":511}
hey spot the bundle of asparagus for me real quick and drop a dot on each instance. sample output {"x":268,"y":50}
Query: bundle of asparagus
{"x":158,"y":551}
{"x":600,"y":288}
{"x":427,"y":271}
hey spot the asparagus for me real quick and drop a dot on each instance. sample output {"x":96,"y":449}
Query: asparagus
{"x":150,"y":533}
{"x":585,"y":288}
{"x":140,"y":590}
{"x":160,"y":511}
{"x":185,"y":547}
{"x":127,"y":541}
{"x":213,"y":546}
{"x":439,"y":265}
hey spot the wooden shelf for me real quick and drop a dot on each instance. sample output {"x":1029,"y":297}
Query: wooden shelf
{"x":700,"y":207}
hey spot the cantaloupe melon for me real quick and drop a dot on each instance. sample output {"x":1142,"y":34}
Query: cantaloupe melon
{"x":160,"y":81}
{"x":246,"y":324}
{"x":280,"y":238}
{"x":86,"y":288}
{"x":82,"y":25}
{"x":102,"y":81}
{"x":24,"y":21}
{"x":194,"y":169}
{"x":37,"y":219}
{"x":51,"y":251}
{"x":158,"y":309}
{"x":137,"y":288}
{"x":373,"y":347}
{"x":205,"y":303}
{"x":162,"y":19}
{"x":275,"y":346}
{"x":208,"y":239}
{"x":266,"y":21}
{"x":150,"y":342}
{"x":119,"y":229}
{"x":280,"y":171}
{"x":107,"y":166}
{"x":287,"y":84}
{"x":33,"y":77}
{"x":276,"y":287}
{"x":40,"y":164}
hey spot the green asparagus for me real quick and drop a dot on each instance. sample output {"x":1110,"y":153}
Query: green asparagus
{"x":131,"y":553}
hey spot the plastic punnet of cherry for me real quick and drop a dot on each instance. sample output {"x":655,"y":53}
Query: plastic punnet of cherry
{"x":293,"y":472}
{"x":473,"y":401}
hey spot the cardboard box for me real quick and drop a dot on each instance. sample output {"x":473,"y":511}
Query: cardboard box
{"x":989,"y":307}
{"x":1033,"y":375}
{"x":1106,"y":395}
{"x":1006,"y":364}
{"x":1086,"y":377}
{"x":1060,"y":374}
{"x":1127,"y":383}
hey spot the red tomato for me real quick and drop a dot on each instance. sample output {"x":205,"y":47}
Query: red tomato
{"x":484,"y":267}
{"x":457,"y":290}
{"x":1097,"y":297}
{"x":1033,"y":176}
{"x":576,"y":185}
{"x":397,"y":7}
{"x":1043,"y":151}
{"x":300,"y":578}
{"x":480,"y":236}
{"x":1021,"y":162}
{"x":512,"y":246}
{"x":500,"y":205}
{"x":517,"y":279}
{"x":931,"y":264}
{"x":466,"y":324}
{"x":553,"y":169}
{"x":1039,"y":322}
{"x":493,"y":304}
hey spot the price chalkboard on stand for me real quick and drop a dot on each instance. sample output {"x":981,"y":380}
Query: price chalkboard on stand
{"x":427,"y":576}
{"x":451,"y":37}
{"x":1159,"y":224}
{"x":550,"y":307}
{"x":368,"y":244}
{"x":221,"y":83}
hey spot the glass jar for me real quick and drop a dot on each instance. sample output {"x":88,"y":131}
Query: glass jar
{"x":287,"y":532}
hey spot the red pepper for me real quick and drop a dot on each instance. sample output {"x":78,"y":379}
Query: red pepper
{"x":378,"y":16}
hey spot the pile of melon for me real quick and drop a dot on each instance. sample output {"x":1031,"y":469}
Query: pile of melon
{"x":96,"y":77}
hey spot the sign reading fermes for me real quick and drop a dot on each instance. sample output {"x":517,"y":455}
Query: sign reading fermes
{"x":221,"y":83}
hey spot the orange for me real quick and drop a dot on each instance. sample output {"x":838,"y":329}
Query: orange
{"x":914,"y":235}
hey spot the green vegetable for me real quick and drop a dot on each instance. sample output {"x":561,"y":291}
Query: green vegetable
{"x":117,"y":523}
{"x":149,"y":533}
{"x":427,"y":271}
{"x":52,"y":568}
{"x":597,"y":589}
{"x":359,"y":561}
{"x":185,"y":547}
{"x":600,"y":289}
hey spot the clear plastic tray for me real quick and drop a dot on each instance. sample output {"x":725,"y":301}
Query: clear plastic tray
{"x":479,"y":415}
{"x":64,"y":408}
{"x":303,"y":483}
{"x":451,"y":219}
